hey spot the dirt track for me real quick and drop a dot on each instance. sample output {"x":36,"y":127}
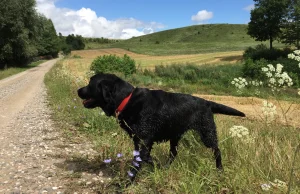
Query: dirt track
{"x":33,"y":153}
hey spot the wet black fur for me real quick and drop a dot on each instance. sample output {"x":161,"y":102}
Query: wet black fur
{"x":155,"y":115}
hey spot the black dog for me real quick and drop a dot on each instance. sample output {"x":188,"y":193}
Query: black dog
{"x":151,"y":116}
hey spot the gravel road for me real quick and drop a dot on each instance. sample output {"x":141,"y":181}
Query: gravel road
{"x":31,"y":147}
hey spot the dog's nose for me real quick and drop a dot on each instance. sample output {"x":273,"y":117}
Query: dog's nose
{"x":80,"y":93}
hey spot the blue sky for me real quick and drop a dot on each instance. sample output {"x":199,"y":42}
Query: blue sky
{"x":127,"y":18}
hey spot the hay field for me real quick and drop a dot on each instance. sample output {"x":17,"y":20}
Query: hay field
{"x":82,"y":64}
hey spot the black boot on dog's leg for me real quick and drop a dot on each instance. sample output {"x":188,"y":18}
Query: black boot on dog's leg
{"x":139,"y":157}
{"x":136,"y":165}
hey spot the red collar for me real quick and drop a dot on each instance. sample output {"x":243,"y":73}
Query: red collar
{"x":123,"y":104}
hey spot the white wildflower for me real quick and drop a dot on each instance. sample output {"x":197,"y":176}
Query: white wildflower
{"x":279,"y":184}
{"x":291,"y":56}
{"x":239,"y":83}
{"x":297,"y":52}
{"x":280,"y":81}
{"x":272,"y":80}
{"x":269,"y":111}
{"x":238,"y":131}
{"x":269,"y":74}
{"x":271,"y":67}
{"x":279,"y":68}
{"x":265,"y":187}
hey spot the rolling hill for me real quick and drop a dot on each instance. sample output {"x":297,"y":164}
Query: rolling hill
{"x":189,"y":40}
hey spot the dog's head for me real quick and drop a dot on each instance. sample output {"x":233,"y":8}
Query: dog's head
{"x":105,"y":91}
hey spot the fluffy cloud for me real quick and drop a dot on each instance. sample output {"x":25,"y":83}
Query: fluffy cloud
{"x":249,"y":7}
{"x":201,"y":16}
{"x":85,"y":22}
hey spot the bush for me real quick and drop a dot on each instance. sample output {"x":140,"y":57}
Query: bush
{"x":262,"y":52}
{"x":252,"y":69}
{"x":113,"y":63}
{"x":76,"y":56}
{"x":291,"y":67}
{"x":66,"y":49}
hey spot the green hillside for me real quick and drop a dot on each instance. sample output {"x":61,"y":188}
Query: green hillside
{"x":190,"y":40}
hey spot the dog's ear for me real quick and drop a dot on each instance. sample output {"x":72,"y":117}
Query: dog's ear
{"x":106,"y":88}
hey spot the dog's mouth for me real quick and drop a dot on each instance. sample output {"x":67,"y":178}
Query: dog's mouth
{"x":89,"y":103}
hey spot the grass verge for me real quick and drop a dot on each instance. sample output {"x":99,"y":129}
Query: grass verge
{"x":266,"y":159}
{"x":14,"y":70}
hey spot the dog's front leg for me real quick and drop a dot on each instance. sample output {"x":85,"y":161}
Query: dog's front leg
{"x":136,"y":142}
{"x":139,"y":157}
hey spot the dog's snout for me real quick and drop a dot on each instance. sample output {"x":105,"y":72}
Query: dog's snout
{"x":82,"y":92}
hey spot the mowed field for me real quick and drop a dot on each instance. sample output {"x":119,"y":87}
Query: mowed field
{"x":81,"y":64}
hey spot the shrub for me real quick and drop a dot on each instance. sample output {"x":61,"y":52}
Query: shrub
{"x":66,"y":49}
{"x":262,"y":52}
{"x":77,"y":56}
{"x":252,"y":69}
{"x":113,"y":63}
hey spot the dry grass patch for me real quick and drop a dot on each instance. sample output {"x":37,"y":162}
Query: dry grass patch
{"x":148,"y":61}
{"x":287,"y":112}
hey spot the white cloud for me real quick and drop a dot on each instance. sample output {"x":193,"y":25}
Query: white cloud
{"x":201,"y":16}
{"x":85,"y":22}
{"x":249,"y":7}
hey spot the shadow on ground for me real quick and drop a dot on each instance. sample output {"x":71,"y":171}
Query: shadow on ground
{"x":93,"y":175}
{"x":231,"y":58}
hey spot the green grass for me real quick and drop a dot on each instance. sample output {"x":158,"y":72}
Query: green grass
{"x":14,"y":70}
{"x":189,"y":40}
{"x":247,"y":165}
{"x":205,"y":79}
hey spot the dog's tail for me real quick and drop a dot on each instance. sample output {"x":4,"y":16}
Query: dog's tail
{"x":226,"y":110}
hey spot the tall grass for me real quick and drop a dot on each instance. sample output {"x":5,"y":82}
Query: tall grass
{"x":247,"y":165}
{"x":205,"y":79}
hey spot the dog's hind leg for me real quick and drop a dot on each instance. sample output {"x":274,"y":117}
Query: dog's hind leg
{"x":208,"y":134}
{"x":218,"y":158}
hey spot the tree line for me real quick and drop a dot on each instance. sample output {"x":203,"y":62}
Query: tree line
{"x":276,"y":20}
{"x":26,"y":34}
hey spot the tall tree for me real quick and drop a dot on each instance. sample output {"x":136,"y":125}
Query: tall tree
{"x":17,"y":31}
{"x":76,"y":42}
{"x":266,"y":18}
{"x":47,"y":39}
{"x":291,"y":24}
{"x":24,"y":33}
